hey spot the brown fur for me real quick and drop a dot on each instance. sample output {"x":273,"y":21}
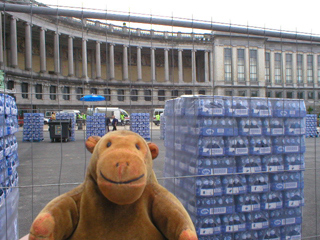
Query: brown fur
{"x":120,"y":198}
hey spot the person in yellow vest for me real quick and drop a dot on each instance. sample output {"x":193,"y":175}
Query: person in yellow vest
{"x":122,"y":119}
{"x":157,"y":120}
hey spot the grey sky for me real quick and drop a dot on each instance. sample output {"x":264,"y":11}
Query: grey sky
{"x":301,"y":16}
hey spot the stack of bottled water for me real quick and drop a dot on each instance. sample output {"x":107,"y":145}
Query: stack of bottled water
{"x":311,"y":125}
{"x":140,"y":123}
{"x":162,"y":126}
{"x":33,"y":127}
{"x":9,"y":161}
{"x":96,"y":125}
{"x":71,"y":117}
{"x":236,"y":164}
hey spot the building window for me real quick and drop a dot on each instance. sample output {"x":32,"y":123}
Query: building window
{"x":53,"y":92}
{"x":289,"y":94}
{"x":254,"y":93}
{"x":253,"y":66}
{"x":241,"y":63}
{"x":300,"y":95}
{"x":299,"y":68}
{"x":24,"y":90}
{"x":147,"y":95}
{"x":310,"y":68}
{"x":278,"y":94}
{"x":288,"y":68}
{"x":10,"y":85}
{"x":107,"y":94}
{"x":267,"y":72}
{"x":161,"y":95}
{"x":94,"y":91}
{"x":310,"y":95}
{"x":228,"y":93}
{"x":227,"y":65}
{"x":66,"y":93}
{"x":319,"y":95}
{"x":174,"y":93}
{"x":277,"y":68}
{"x":134,"y":95}
{"x":38,"y":89}
{"x":269,"y":94}
{"x":120,"y":95}
{"x":243,"y":93}
{"x":79,"y":92}
{"x":188,"y":92}
{"x":202,"y":92}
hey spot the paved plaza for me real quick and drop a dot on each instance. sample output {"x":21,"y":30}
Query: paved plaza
{"x":49,"y":169}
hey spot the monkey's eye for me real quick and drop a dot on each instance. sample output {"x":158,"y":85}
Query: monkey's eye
{"x":108,"y":144}
{"x":137,"y":146}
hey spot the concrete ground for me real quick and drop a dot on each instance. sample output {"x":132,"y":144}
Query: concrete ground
{"x":49,"y":169}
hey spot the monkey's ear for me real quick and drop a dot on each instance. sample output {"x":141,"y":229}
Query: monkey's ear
{"x":153,"y":149}
{"x":92,"y":142}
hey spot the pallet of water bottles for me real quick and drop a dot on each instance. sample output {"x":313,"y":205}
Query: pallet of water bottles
{"x":96,"y":125}
{"x":33,"y":127}
{"x":9,"y":161}
{"x":237,"y":163}
{"x":140,"y":123}
{"x":311,"y":126}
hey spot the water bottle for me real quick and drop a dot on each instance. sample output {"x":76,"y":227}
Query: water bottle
{"x":291,"y":232}
{"x":258,"y":183}
{"x":247,"y":203}
{"x":294,"y":198}
{"x":234,"y":222}
{"x":257,"y":220}
{"x":294,"y":162}
{"x":272,"y":163}
{"x":271,"y":200}
{"x":267,"y":234}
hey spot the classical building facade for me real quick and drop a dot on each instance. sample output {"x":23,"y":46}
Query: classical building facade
{"x":51,"y":62}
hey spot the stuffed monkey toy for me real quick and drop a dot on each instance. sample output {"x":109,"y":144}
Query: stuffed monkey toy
{"x":120,"y":198}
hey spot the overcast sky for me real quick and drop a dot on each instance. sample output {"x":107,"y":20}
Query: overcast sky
{"x":294,"y":15}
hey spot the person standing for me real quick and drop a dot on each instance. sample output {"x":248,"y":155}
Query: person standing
{"x":114,"y":123}
{"x":107,"y":124}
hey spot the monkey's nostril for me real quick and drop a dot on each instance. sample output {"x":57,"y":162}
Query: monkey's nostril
{"x":117,"y":165}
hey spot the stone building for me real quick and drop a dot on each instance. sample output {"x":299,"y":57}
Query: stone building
{"x":51,"y":62}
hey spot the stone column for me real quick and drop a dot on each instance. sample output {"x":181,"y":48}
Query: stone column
{"x":315,"y":70}
{"x":304,"y":68}
{"x":194,"y":66}
{"x":43,"y":56}
{"x":56,"y":53}
{"x":98,"y":60}
{"x":283,"y":69}
{"x":125,"y":73}
{"x":206,"y":66}
{"x":153,"y":65}
{"x":180,"y":66}
{"x":218,"y":74}
{"x":70,"y":56}
{"x":211,"y":66}
{"x":84,"y":59}
{"x":261,"y":66}
{"x":247,"y":65}
{"x":294,"y":68}
{"x":13,"y":42}
{"x":166,"y":65}
{"x":272,"y":76}
{"x":112,"y":75}
{"x":1,"y":42}
{"x":28,"y":47}
{"x":139,"y":67}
